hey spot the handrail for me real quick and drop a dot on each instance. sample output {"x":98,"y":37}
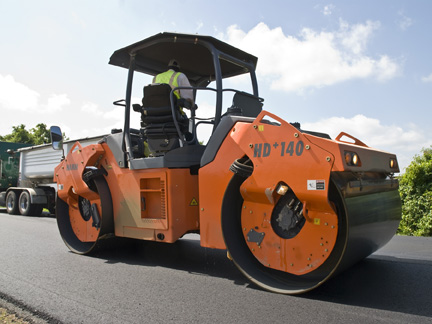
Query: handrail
{"x":193,"y":117}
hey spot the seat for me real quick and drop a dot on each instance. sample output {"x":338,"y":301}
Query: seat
{"x":246,"y":104}
{"x":157,"y":121}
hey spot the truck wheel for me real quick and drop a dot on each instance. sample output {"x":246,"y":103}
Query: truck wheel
{"x":84,"y":222}
{"x":12,"y":203}
{"x":25,"y":204}
{"x":26,"y":208}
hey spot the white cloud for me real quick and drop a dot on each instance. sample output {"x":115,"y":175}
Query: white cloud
{"x":115,"y":113}
{"x":355,"y":37}
{"x":106,"y":120}
{"x":55,"y":103}
{"x":16,"y":96}
{"x":404,"y":141}
{"x":23,"y":105}
{"x":313,"y":59}
{"x":404,"y":22}
{"x":385,"y":68}
{"x":92,"y":109}
{"x":328,"y":9}
{"x":427,"y":78}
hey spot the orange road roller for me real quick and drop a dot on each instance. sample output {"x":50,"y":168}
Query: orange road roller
{"x":292,"y":207}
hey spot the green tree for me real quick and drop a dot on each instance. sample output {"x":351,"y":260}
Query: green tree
{"x":41,"y":134}
{"x":415,"y":187}
{"x":19,"y":135}
{"x":35,"y":136}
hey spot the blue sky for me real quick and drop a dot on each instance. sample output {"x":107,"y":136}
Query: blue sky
{"x":362,"y":67}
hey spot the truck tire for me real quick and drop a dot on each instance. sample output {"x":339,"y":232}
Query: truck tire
{"x":26,"y":208}
{"x":12,"y":203}
{"x":2,"y":198}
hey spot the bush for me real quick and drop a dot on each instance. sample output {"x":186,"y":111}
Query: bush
{"x":415,"y":187}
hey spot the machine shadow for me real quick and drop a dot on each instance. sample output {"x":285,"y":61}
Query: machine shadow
{"x":378,"y":282}
{"x":381,"y":282}
{"x":185,"y":255}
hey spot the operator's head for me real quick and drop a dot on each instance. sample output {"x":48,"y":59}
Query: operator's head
{"x":174,"y":64}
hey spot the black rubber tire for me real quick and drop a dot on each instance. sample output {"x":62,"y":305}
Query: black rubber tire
{"x":26,"y":208}
{"x":12,"y":203}
{"x":24,"y":204}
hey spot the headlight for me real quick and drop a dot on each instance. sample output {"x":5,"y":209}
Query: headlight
{"x":393,"y":163}
{"x":352,"y":158}
{"x":282,"y":189}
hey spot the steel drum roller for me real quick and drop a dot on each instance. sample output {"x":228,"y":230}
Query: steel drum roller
{"x":362,"y":229}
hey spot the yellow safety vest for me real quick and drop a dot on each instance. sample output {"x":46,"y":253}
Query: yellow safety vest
{"x":169,"y":77}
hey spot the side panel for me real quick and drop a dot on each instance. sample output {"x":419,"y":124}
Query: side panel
{"x":152,"y":204}
{"x":213,"y":181}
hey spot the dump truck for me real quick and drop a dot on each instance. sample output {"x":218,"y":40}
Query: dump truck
{"x":291,"y":207}
{"x":33,"y":188}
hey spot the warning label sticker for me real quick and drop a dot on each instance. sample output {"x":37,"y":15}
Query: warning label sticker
{"x":316,"y":184}
{"x":194,"y":202}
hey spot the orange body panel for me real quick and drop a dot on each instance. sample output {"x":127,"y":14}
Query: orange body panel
{"x":151,"y":204}
{"x":292,"y":160}
{"x":213,"y":181}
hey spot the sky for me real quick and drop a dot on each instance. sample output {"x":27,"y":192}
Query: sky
{"x":361,"y":67}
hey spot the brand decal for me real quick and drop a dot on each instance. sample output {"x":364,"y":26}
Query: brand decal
{"x":283,"y":148}
{"x":71,"y":167}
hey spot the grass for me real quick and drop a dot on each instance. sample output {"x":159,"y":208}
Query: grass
{"x":7,"y":317}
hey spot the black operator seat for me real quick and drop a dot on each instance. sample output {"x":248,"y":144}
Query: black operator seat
{"x":157,"y":121}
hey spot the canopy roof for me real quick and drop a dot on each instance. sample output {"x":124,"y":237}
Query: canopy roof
{"x":193,"y":52}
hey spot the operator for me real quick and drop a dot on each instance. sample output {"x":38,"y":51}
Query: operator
{"x":175,"y":78}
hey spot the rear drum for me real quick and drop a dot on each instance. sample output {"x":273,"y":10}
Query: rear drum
{"x":81,"y":231}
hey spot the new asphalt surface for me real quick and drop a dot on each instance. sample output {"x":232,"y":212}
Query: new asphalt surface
{"x":146,"y":282}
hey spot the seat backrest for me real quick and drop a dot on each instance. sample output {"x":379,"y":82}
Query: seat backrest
{"x":250,"y":105}
{"x":157,"y":119}
{"x":156,"y":95}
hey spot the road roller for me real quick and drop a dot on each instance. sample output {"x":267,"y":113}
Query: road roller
{"x":292,"y":207}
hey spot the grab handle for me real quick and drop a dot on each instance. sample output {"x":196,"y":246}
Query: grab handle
{"x":356,"y":141}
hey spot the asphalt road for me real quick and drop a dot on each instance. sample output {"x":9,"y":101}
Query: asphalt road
{"x":184,"y":283}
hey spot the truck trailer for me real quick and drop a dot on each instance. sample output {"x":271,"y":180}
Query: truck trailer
{"x":292,"y":207}
{"x":34,"y":188}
